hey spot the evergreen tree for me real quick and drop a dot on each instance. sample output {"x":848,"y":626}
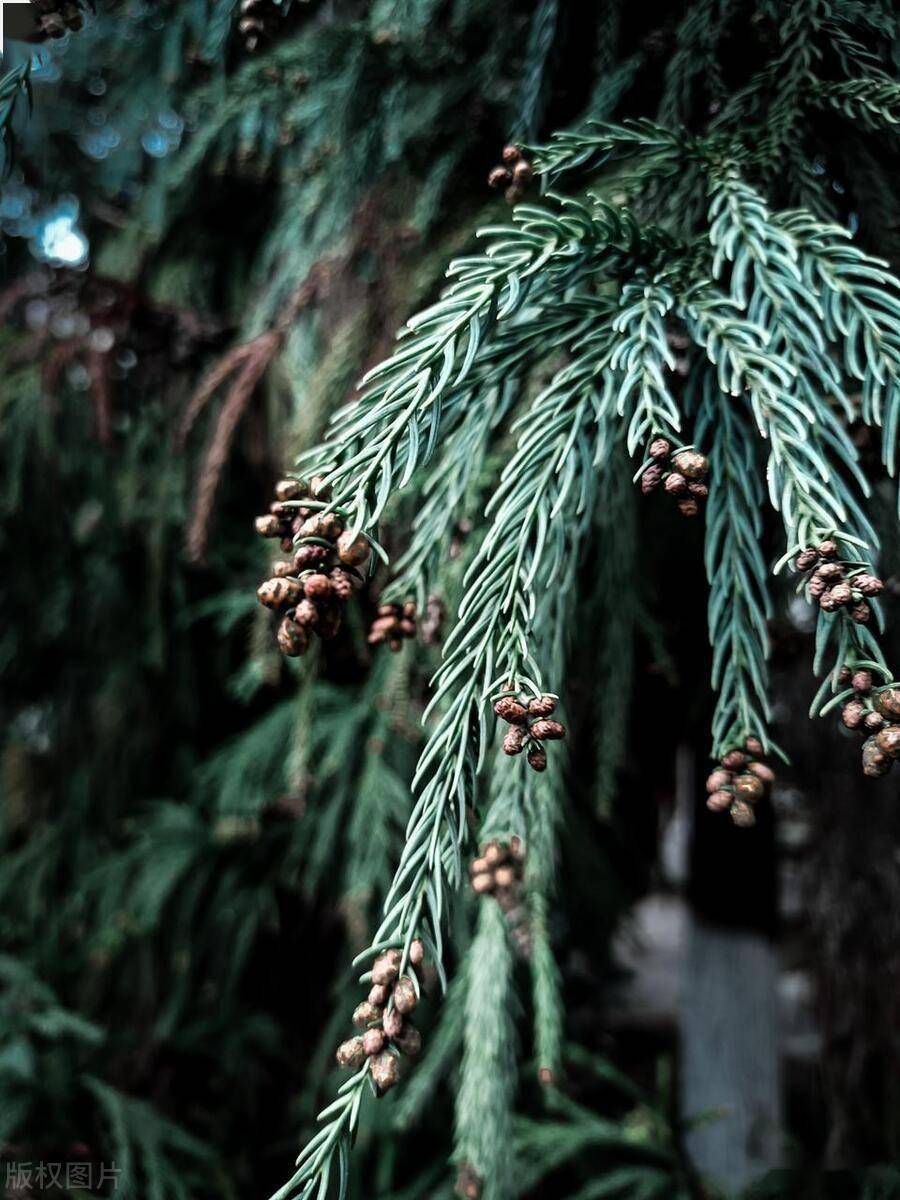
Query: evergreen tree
{"x":678,"y":346}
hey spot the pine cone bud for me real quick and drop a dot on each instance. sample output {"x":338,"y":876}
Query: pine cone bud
{"x":353,"y":551}
{"x":378,"y":994}
{"x":675,"y":485}
{"x":717,"y":780}
{"x":324,"y":525}
{"x":408,"y":1041}
{"x":514,"y":742}
{"x":317,"y":587}
{"x":806,"y":559}
{"x":478,"y":866}
{"x":268,"y":526}
{"x":351,"y":1053}
{"x":386,"y":967}
{"x":862,"y":681}
{"x":828,"y":549}
{"x":688,"y":507}
{"x":860,"y":612}
{"x":816,"y":587}
{"x":875,"y":762}
{"x":869,"y":585}
{"x":505,"y":876}
{"x":692,"y":464}
{"x":306,"y":614}
{"x":830,"y":572}
{"x":719,"y":801}
{"x":753,"y":746}
{"x":660,"y":448}
{"x":416,"y":952}
{"x":310,"y":557}
{"x":841,"y":594}
{"x":651,"y":478}
{"x":290,"y":489}
{"x":384,"y":1070}
{"x":373,"y":1041}
{"x":341,"y":583}
{"x":827,"y":603}
{"x":742,"y":814}
{"x":405,"y":995}
{"x":366,"y":1014}
{"x":734,"y":760}
{"x":511,"y":154}
{"x":499,"y":177}
{"x":763,"y":773}
{"x":495,"y":853}
{"x":888,"y":741}
{"x":698,"y":490}
{"x":537,"y":759}
{"x":522,"y":172}
{"x":510,"y":709}
{"x":748,"y":787}
{"x":482,"y":884}
{"x":873,"y":721}
{"x":292,"y":638}
{"x":541,"y":706}
{"x":548,"y":731}
{"x":887,"y":702}
{"x":852,"y":714}
{"x":278,"y":593}
{"x":392,"y":1023}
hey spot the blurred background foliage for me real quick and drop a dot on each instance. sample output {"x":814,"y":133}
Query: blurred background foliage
{"x":197,"y":836}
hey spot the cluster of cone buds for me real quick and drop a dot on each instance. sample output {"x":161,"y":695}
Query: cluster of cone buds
{"x":383,"y":1019}
{"x":530,"y":726}
{"x":497,"y":872}
{"x":834,"y":584}
{"x":739,"y":781}
{"x":55,"y":18}
{"x":327,"y":566}
{"x":514,"y":174}
{"x":681,"y":474}
{"x":257,"y":22}
{"x":876,"y":713}
{"x":393,"y":623}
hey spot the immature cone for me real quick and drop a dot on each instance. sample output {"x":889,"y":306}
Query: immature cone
{"x":875,"y":762}
{"x":888,"y":741}
{"x":386,"y":967}
{"x":763,"y":773}
{"x":384,"y":1070}
{"x":830,"y":571}
{"x":541,"y":706}
{"x":351,"y":1053}
{"x":373,"y":1041}
{"x":378,"y":994}
{"x":827,"y":602}
{"x":852,"y":714}
{"x":289,"y":489}
{"x":742,"y":814}
{"x":278,"y":593}
{"x":392,"y":1023}
{"x":753,"y":746}
{"x":806,"y":559}
{"x":817,"y":586}
{"x":860,"y":612}
{"x":660,"y":448}
{"x":509,"y":709}
{"x":482,"y":884}
{"x":650,"y":479}
{"x":268,"y":526}
{"x":841,"y":593}
{"x":887,"y":702}
{"x":499,"y":177}
{"x":548,"y":731}
{"x":717,"y":780}
{"x":873,"y":721}
{"x":748,"y":787}
{"x":688,"y":507}
{"x":292,"y":638}
{"x":405,"y":996}
{"x":828,"y":549}
{"x":353,"y":551}
{"x":734,"y":760}
{"x":719,"y":801}
{"x":675,"y":485}
{"x":494,"y":853}
{"x":869,"y":585}
{"x":514,"y":742}
{"x":861,"y":681}
{"x":416,"y":952}
{"x":311,"y":557}
{"x":317,"y":587}
{"x":366,"y":1013}
{"x":692,"y":464}
{"x":537,"y":759}
{"x":408,"y":1041}
{"x":511,"y":154}
{"x":698,"y":490}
